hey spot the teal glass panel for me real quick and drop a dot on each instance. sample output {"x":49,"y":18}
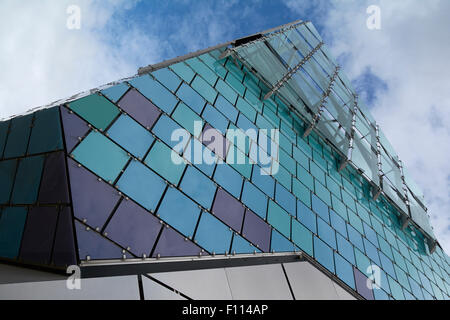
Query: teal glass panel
{"x":12,"y":222}
{"x":215,"y":118}
{"x":226,"y":91}
{"x":7,"y":173}
{"x":204,"y":89}
{"x":416,"y":290}
{"x":156,"y":92}
{"x":142,"y":185}
{"x":305,"y":178}
{"x":96,"y":110}
{"x":396,"y":289}
{"x":287,"y":162}
{"x":4,"y":127}
{"x":46,"y":133}
{"x":183,"y":71}
{"x":213,"y":235}
{"x":338,"y":223}
{"x":165,"y":162}
{"x":264,"y":182}
{"x":362,"y":262}
{"x":256,"y":200}
{"x":131,"y":136}
{"x":204,"y":167}
{"x":402,"y":278}
{"x":326,"y":233}
{"x":279,"y":219}
{"x":200,"y":188}
{"x":301,"y":192}
{"x":19,"y":132}
{"x":188,"y":118}
{"x":302,"y":237}
{"x":167,"y":78}
{"x":345,"y":248}
{"x":323,"y":254}
{"x":279,"y":243}
{"x":322,"y":192}
{"x":355,"y":237}
{"x":191,"y":98}
{"x":164,"y":128}
{"x":370,"y":234}
{"x":283,"y":176}
{"x":285,"y":199}
{"x":28,"y":179}
{"x":227,"y":109}
{"x":307,"y":217}
{"x":116,"y":92}
{"x":355,"y":221}
{"x":344,"y":270}
{"x":318,"y":173}
{"x":203,"y":70}
{"x":242,"y":246}
{"x":246,"y":109}
{"x":101,"y":155}
{"x":235,"y":83}
{"x":179,"y":211}
{"x":229,"y":179}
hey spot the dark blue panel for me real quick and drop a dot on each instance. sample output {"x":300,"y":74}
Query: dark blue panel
{"x":4,"y":127}
{"x":46,"y":132}
{"x":361,"y":285}
{"x":140,"y":108}
{"x":16,"y":145}
{"x":28,"y":179}
{"x":173,"y":244}
{"x":54,"y":188}
{"x":38,"y":235}
{"x":257,"y":231}
{"x":7,"y":173}
{"x":74,"y":128}
{"x":64,"y":253}
{"x":228,"y":209}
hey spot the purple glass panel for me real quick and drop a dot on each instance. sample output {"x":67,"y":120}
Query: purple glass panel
{"x":228,"y":209}
{"x":173,"y":244}
{"x":74,"y":127}
{"x":54,"y":181}
{"x":92,"y":200}
{"x":361,"y":285}
{"x":256,"y":230}
{"x":140,"y":108}
{"x":92,"y":244}
{"x":38,"y":235}
{"x":64,"y":249}
{"x":209,"y":136}
{"x":133,"y":227}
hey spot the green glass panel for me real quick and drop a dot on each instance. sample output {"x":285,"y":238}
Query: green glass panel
{"x":186,"y":117}
{"x":101,"y":155}
{"x":279,"y":219}
{"x":183,"y":71}
{"x":7,"y":173}
{"x":46,"y":132}
{"x":96,"y":110}
{"x":4,"y":127}
{"x":301,"y":192}
{"x":226,"y":91}
{"x":12,"y":222}
{"x":28,"y":178}
{"x":246,"y":109}
{"x":203,"y":70}
{"x":19,"y":132}
{"x":161,"y":159}
{"x":204,"y":89}
{"x":302,"y":237}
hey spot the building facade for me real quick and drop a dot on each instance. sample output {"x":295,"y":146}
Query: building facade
{"x":250,"y":170}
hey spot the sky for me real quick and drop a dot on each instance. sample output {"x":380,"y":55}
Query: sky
{"x":400,"y":70}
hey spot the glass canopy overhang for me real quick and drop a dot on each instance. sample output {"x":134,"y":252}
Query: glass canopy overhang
{"x":297,"y":66}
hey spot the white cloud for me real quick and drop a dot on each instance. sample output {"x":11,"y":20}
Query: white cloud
{"x":42,"y":60}
{"x":411,"y":54}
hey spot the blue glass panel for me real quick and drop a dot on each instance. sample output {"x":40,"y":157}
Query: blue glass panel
{"x":131,"y":136}
{"x":213,"y":235}
{"x":370,"y":234}
{"x":323,"y":254}
{"x":229,"y":179}
{"x":253,"y":198}
{"x":204,"y":167}
{"x":179,"y":211}
{"x":142,"y":185}
{"x":191,"y":98}
{"x":156,"y":92}
{"x":355,"y":237}
{"x":279,"y":219}
{"x":345,"y":248}
{"x":7,"y":173}
{"x":302,"y":237}
{"x":28,"y":179}
{"x":215,"y":118}
{"x":164,"y":128}
{"x":344,"y":271}
{"x":380,"y":295}
{"x":371,"y":251}
{"x":17,"y":142}
{"x":101,"y":155}
{"x":167,"y":78}
{"x":338,"y":223}
{"x":196,"y":185}
{"x":285,"y":199}
{"x":240,"y":245}
{"x":387,"y":265}
{"x":12,"y":221}
{"x":415,"y":287}
{"x":320,"y":208}
{"x":165,"y":162}
{"x":326,"y":233}
{"x":306,"y":216}
{"x":226,"y":108}
{"x":245,"y":124}
{"x":396,"y":289}
{"x":116,"y":92}
{"x":46,"y":133}
{"x":264,"y":182}
{"x":280,"y":244}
